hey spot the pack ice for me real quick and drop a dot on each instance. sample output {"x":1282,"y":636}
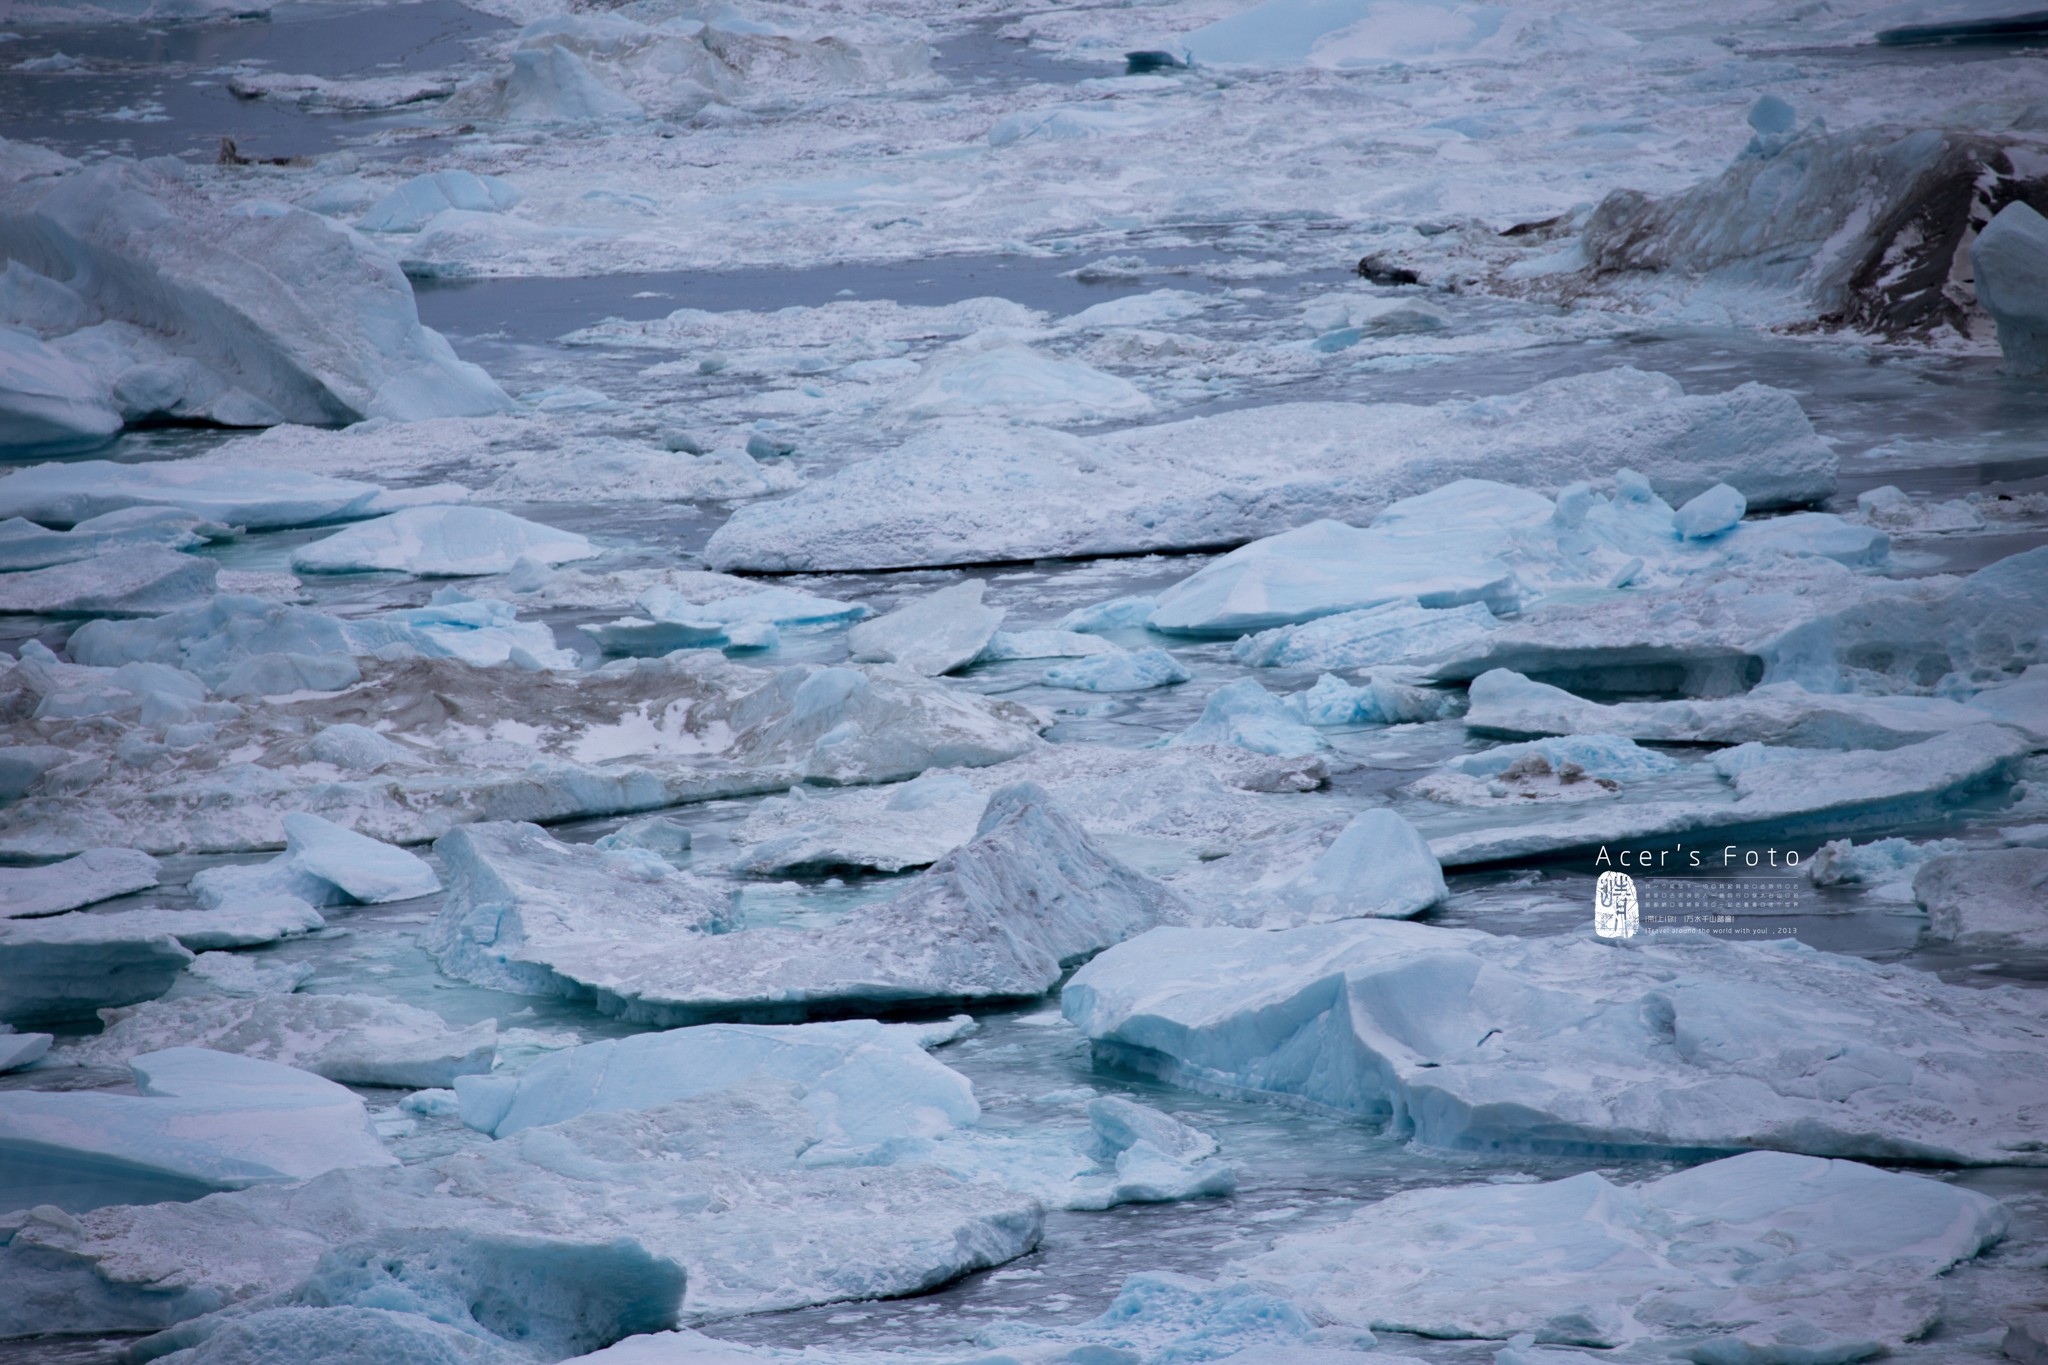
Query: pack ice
{"x":997,"y":919}
{"x":1183,"y":485}
{"x":479,"y":744}
{"x":1767,"y":1257}
{"x":1462,"y":1040}
{"x":196,"y":312}
{"x":201,"y":1120}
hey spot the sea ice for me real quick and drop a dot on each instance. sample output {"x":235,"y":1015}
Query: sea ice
{"x":1342,"y":34}
{"x":932,"y":635}
{"x":1015,"y":382}
{"x":746,"y":620}
{"x":915,"y":825}
{"x":1464,"y":1040}
{"x":2010,"y":256}
{"x":1394,"y":632}
{"x":250,"y":496}
{"x":328,"y":1336}
{"x":441,"y":542}
{"x":1506,"y":703}
{"x":1986,"y":900}
{"x":18,"y":1050}
{"x":1765,"y":1258}
{"x":202,"y":1118}
{"x":141,"y":581}
{"x":997,"y":919}
{"x":250,"y":319}
{"x":95,"y":875}
{"x":1183,"y":485}
{"x":561,"y":1238}
{"x":1376,"y":866}
{"x":408,"y":207}
{"x":1120,"y":672}
{"x":1042,"y":644}
{"x":324,"y":865}
{"x":1246,"y":715}
{"x":354,"y":1039}
{"x":1712,"y":513}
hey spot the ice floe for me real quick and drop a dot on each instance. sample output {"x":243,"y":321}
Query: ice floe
{"x":932,"y":635}
{"x":752,"y":619}
{"x":355,"y":1039}
{"x":1986,"y":900}
{"x":1183,"y":484}
{"x":251,"y":496}
{"x":440,"y":542}
{"x":1459,"y":1039}
{"x":324,"y":865}
{"x":201,"y":1118}
{"x":137,"y":581}
{"x":1767,"y":1257}
{"x":95,"y":875}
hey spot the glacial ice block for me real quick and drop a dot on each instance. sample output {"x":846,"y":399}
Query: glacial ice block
{"x":354,"y":1039}
{"x":932,"y":635}
{"x":282,"y":317}
{"x":996,"y":919}
{"x":2010,"y":256}
{"x":203,"y":1118}
{"x":324,"y":865}
{"x":95,"y":875}
{"x":442,"y":542}
{"x":49,"y":401}
{"x":1184,"y":485}
{"x":1775,"y":1258}
{"x":1464,"y":1040}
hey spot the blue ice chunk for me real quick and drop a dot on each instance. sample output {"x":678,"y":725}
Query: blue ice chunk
{"x":407,"y":208}
{"x":1119,"y":672}
{"x":1246,"y":715}
{"x":1718,"y":510}
{"x":1119,"y":613}
{"x":1608,"y":756}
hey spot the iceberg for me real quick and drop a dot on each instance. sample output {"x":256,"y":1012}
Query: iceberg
{"x":1767,"y":1257}
{"x":354,"y":1039}
{"x":49,"y":401}
{"x":324,"y":865}
{"x":247,"y":319}
{"x":140,"y":581}
{"x":1504,"y":703}
{"x":441,"y":542}
{"x":1467,"y":1041}
{"x":1183,"y":485}
{"x":931,"y":636}
{"x":2010,"y":258}
{"x":1378,"y":866}
{"x":95,"y":875}
{"x":1120,"y":672}
{"x":408,"y":207}
{"x":999,"y":918}
{"x":1986,"y":900}
{"x":201,"y":1120}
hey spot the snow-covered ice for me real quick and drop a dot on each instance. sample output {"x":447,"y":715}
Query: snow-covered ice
{"x":932,"y":635}
{"x":95,"y":875}
{"x":324,"y":865}
{"x":442,"y":542}
{"x":1986,"y":899}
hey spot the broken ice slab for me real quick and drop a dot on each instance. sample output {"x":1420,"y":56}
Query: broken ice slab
{"x":933,"y":635}
{"x":354,"y":1039}
{"x":1777,"y":1258}
{"x":997,"y":919}
{"x":1133,"y":671}
{"x":1464,"y":1040}
{"x":441,"y":542}
{"x":1247,"y":716}
{"x":1988,"y":900}
{"x":48,"y":401}
{"x":1373,"y":865}
{"x":203,"y":1120}
{"x":673,"y":622}
{"x":244,"y":319}
{"x":1394,"y":632}
{"x":95,"y":875}
{"x":408,"y":207}
{"x":1182,"y":485}
{"x":999,"y":379}
{"x":1796,"y":792}
{"x":2010,"y":256}
{"x":324,"y":865}
{"x":18,"y":1050}
{"x":256,"y":497}
{"x":310,"y":1335}
{"x":1504,"y":703}
{"x":611,"y":1223}
{"x":129,"y":581}
{"x":498,"y":744}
